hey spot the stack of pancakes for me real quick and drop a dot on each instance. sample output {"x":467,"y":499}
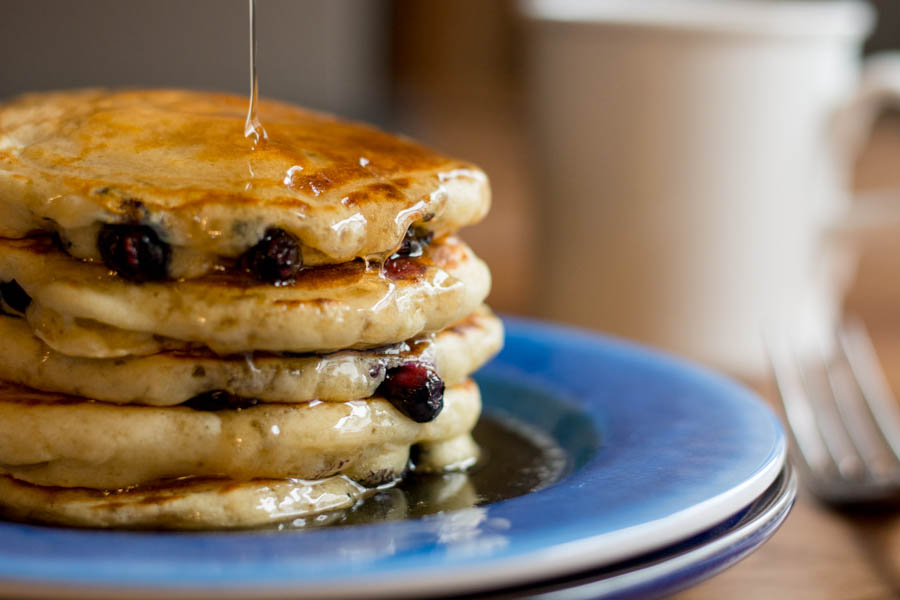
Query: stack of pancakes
{"x":197,"y":332}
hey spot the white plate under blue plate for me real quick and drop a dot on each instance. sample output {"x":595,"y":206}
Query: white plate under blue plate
{"x":662,"y":451}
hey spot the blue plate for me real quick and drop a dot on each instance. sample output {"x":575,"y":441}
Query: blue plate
{"x":662,"y":451}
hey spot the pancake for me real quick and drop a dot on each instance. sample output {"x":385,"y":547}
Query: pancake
{"x":347,"y":306}
{"x":170,"y":378}
{"x":192,"y":504}
{"x":197,"y":504}
{"x":56,"y":440}
{"x":178,"y":162}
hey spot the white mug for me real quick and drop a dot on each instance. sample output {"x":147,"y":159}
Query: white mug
{"x":693,"y":159}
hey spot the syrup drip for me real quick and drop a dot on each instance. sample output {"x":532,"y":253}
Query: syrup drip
{"x":253,"y":129}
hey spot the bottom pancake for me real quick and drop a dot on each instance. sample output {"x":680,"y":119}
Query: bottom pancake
{"x":215,"y":504}
{"x":190,"y":504}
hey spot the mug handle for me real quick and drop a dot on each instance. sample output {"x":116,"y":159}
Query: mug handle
{"x":879,"y":88}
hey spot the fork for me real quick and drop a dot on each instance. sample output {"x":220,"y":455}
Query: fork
{"x":842,"y":417}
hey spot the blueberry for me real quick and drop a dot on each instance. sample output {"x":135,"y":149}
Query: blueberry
{"x":415,"y":389}
{"x":275,"y":259}
{"x":414,"y":243}
{"x":404,"y":267}
{"x":14,"y":296}
{"x":219,"y":400}
{"x":134,"y":252}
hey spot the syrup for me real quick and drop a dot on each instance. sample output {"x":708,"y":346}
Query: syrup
{"x":253,"y":129}
{"x":516,"y":459}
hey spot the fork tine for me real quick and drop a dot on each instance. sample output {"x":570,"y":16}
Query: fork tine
{"x":841,"y":416}
{"x":799,"y":413}
{"x":832,"y":427}
{"x":876,"y":457}
{"x":857,"y":348}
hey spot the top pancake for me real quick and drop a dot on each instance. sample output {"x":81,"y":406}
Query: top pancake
{"x":179,"y":162}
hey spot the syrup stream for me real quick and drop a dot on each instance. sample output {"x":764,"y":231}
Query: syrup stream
{"x":253,"y":129}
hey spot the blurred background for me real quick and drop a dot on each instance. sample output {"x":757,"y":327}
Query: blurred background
{"x":448,"y":72}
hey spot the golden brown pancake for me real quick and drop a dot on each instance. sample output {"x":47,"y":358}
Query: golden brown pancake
{"x":197,"y":503}
{"x":187,"y":504}
{"x":170,"y":378}
{"x":58,"y":440}
{"x":81,"y":309}
{"x":178,"y":162}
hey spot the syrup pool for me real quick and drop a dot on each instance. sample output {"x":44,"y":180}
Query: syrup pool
{"x":517,"y":459}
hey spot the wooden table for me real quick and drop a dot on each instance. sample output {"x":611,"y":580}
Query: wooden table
{"x":818,"y":553}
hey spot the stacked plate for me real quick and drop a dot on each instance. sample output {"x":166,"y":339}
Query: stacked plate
{"x":673,"y":474}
